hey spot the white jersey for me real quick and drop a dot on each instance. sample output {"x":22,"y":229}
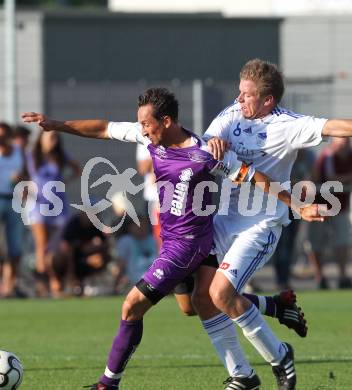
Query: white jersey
{"x":271,"y":144}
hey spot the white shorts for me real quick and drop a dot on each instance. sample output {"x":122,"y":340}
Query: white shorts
{"x":243,"y":254}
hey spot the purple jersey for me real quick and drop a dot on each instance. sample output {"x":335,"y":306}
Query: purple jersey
{"x":178,"y":172}
{"x":187,"y":235}
{"x":183,"y":168}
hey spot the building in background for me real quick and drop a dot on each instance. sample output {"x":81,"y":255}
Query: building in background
{"x":94,"y":63}
{"x":252,"y":8}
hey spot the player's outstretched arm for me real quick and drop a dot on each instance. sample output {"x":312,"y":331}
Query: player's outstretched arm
{"x":310,"y":213}
{"x":338,"y":128}
{"x":92,"y":128}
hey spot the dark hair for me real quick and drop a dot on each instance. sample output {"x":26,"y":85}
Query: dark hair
{"x":57,"y":154}
{"x":21,"y":131}
{"x":7,"y":128}
{"x":267,"y":77}
{"x":163,"y":102}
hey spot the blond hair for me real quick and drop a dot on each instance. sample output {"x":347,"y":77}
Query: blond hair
{"x":266,"y":76}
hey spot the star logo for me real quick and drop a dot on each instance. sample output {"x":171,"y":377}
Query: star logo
{"x":119,"y":183}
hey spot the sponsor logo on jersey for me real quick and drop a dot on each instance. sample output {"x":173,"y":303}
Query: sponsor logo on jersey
{"x":242,"y":151}
{"x":150,"y":287}
{"x":224,"y":265}
{"x":158,"y":273}
{"x":180,"y":193}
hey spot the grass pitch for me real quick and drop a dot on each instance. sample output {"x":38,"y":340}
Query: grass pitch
{"x":63,"y":345}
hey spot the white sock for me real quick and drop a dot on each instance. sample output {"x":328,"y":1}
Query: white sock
{"x":262,"y":304}
{"x":223,"y":336}
{"x":257,"y":331}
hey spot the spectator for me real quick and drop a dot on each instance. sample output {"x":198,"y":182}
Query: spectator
{"x":46,"y":163}
{"x":285,"y":250}
{"x":21,"y":136}
{"x":11,"y":168}
{"x":83,"y":250}
{"x":334,"y":163}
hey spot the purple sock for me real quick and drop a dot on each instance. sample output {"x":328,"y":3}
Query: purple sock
{"x":123,"y":346}
{"x":270,"y":305}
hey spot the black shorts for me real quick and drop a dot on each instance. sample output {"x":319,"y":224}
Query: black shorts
{"x":186,"y":287}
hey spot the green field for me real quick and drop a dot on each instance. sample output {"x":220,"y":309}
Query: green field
{"x":63,"y":345}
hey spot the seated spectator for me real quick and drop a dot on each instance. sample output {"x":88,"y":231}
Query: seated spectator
{"x":136,"y":251}
{"x":83,"y":250}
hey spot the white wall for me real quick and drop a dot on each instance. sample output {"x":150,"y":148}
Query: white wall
{"x":236,"y":8}
{"x":226,"y":7}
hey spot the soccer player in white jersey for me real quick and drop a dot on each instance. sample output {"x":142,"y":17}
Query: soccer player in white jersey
{"x":263,"y":133}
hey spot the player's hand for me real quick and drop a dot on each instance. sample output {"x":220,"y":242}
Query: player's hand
{"x":34,"y":117}
{"x":313,"y":212}
{"x":218,"y":147}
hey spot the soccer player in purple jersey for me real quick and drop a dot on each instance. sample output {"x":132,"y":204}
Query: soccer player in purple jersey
{"x":181,"y":160}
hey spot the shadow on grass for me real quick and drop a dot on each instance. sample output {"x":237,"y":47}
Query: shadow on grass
{"x":178,"y":366}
